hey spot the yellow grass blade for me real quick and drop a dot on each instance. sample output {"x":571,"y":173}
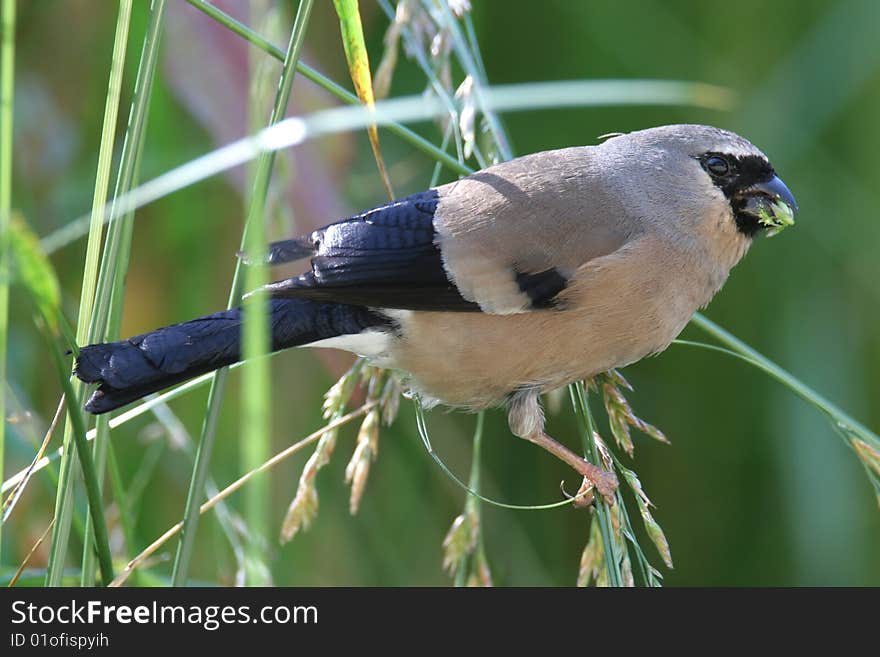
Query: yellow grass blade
{"x":359,"y":67}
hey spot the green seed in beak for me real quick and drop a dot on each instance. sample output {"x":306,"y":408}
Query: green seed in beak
{"x":775,"y":216}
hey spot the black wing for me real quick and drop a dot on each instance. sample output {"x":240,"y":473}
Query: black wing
{"x":386,"y":257}
{"x":542,"y":288}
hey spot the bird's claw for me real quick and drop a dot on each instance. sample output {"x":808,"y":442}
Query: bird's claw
{"x":583,"y":498}
{"x":604,"y":482}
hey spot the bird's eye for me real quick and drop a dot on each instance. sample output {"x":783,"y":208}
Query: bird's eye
{"x":717,"y":166}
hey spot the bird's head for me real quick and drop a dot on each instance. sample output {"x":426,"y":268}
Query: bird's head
{"x":757,"y":196}
{"x":696,"y":164}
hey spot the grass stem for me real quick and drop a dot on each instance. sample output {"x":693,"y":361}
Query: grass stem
{"x":840,"y":419}
{"x":255,"y":331}
{"x":90,"y":478}
{"x":7,"y":90}
{"x":93,"y":246}
{"x":578,"y":393}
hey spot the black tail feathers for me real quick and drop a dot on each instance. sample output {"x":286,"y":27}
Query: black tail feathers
{"x":130,"y":369}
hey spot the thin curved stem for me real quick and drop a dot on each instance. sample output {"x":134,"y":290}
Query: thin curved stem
{"x":842,"y":421}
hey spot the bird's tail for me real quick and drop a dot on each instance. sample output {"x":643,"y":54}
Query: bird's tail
{"x":130,"y":369}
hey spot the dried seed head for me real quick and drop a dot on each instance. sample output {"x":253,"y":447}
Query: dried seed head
{"x":358,"y":468}
{"x":620,"y":430}
{"x":460,"y":541}
{"x":652,"y":527}
{"x":489,"y":145}
{"x":390,"y":399}
{"x":459,"y":7}
{"x":604,"y":453}
{"x":304,"y":506}
{"x":655,"y":533}
{"x":869,"y":455}
{"x":655,"y":577}
{"x":467,"y":114}
{"x":592,"y":558}
{"x":369,"y":432}
{"x":301,"y":512}
{"x":482,"y":572}
{"x":636,"y":486}
{"x":385,"y":70}
{"x":620,"y":414}
{"x":437,"y":45}
{"x":617,"y":379}
{"x":626,"y":571}
{"x":340,"y":392}
{"x":321,"y":456}
{"x":356,"y":473}
{"x":422,"y":27}
{"x":374,"y":383}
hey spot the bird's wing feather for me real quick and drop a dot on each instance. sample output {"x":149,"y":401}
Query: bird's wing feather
{"x":513,"y":235}
{"x":505,"y":240}
{"x":386,"y":258}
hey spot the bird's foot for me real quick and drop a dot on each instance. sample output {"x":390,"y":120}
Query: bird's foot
{"x":584,"y":497}
{"x":604,"y":482}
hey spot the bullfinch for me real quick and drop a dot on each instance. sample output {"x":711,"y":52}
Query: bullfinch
{"x":504,"y":285}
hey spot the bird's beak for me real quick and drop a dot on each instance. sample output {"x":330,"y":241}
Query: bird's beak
{"x":772,"y":203}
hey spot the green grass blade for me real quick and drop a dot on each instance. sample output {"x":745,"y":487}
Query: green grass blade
{"x":473,"y":506}
{"x":255,"y":382}
{"x":102,"y":178}
{"x":199,"y":475}
{"x":355,"y":48}
{"x":31,"y":268}
{"x":7,"y":77}
{"x":579,"y":401}
{"x":105,"y":322}
{"x":90,"y":274}
{"x":38,"y":277}
{"x":256,"y":431}
{"x":127,"y":515}
{"x":90,"y":477}
{"x":107,"y":276}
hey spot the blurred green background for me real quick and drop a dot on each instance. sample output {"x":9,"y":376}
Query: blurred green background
{"x":756,"y":489}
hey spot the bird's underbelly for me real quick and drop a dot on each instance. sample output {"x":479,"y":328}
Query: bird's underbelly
{"x":476,"y":360}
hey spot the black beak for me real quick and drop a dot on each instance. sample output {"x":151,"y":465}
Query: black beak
{"x":777,"y":191}
{"x":769,"y":205}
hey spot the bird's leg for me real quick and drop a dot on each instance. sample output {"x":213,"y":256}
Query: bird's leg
{"x":605,"y":482}
{"x":526,"y":420}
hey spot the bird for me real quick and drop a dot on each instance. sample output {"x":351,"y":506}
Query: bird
{"x":503,"y":285}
